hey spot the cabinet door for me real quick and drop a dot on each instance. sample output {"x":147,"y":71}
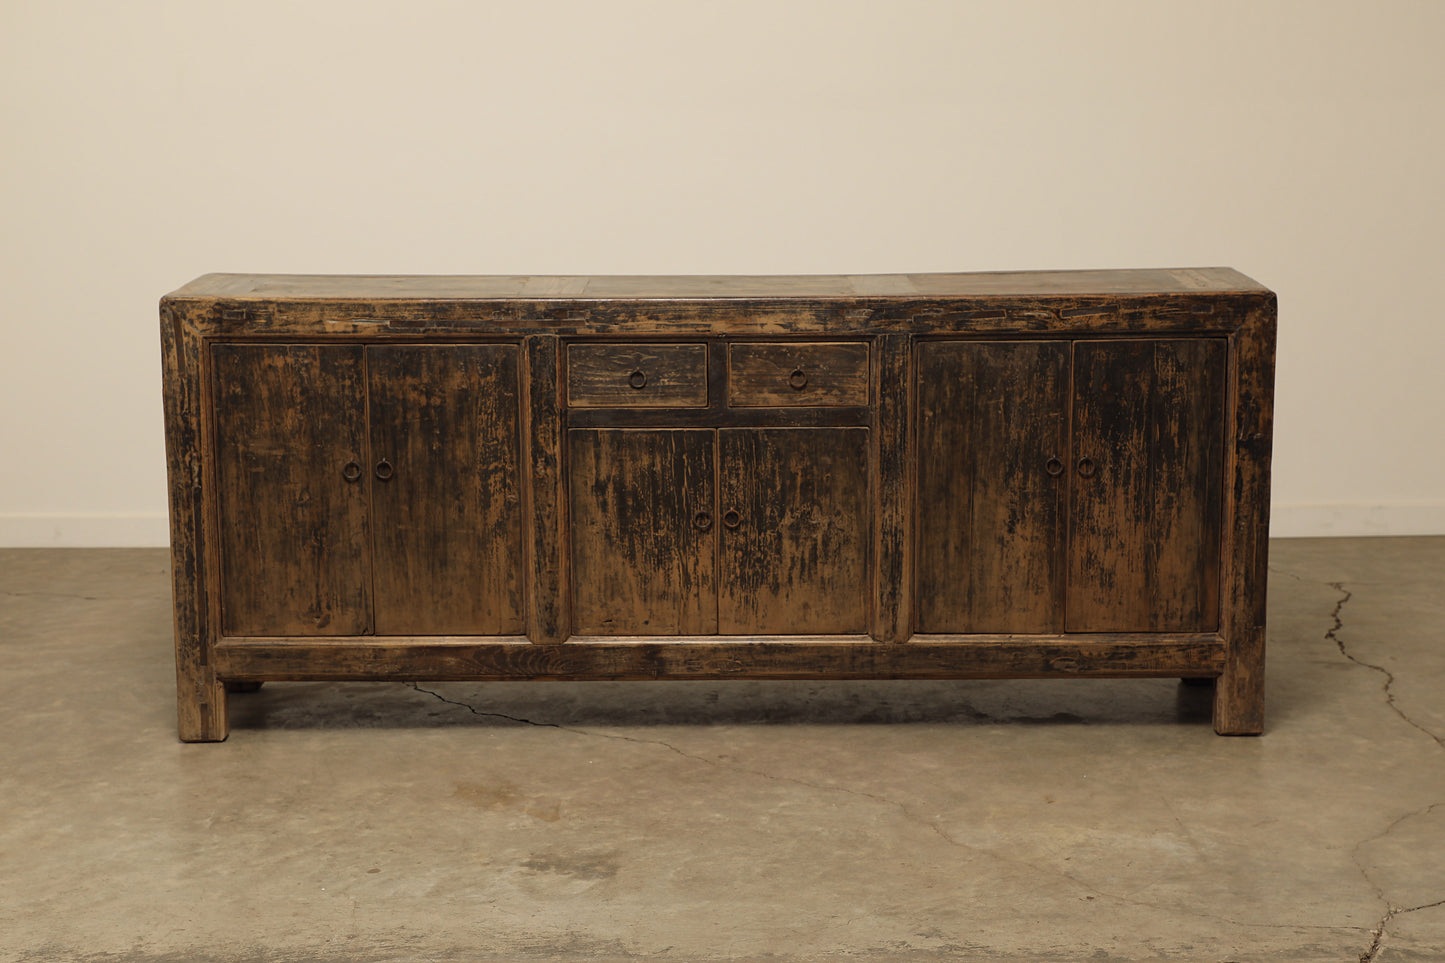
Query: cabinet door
{"x":992,"y":449}
{"x":1147,"y":497}
{"x":644,"y":550}
{"x":446,"y":505}
{"x":794,"y":545}
{"x":291,"y":495}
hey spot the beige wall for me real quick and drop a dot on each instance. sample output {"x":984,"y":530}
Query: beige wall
{"x":148,"y":142}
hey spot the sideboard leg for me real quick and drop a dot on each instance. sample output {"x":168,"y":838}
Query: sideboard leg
{"x":201,"y":706}
{"x":1239,"y":692}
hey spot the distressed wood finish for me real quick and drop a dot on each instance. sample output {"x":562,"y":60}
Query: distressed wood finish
{"x":793,"y":504}
{"x":637,"y":375}
{"x":544,"y":496}
{"x":644,"y":541}
{"x":789,"y":375}
{"x":892,"y":477}
{"x":446,"y":492}
{"x":687,"y":657}
{"x":993,"y":447}
{"x":1239,"y":693}
{"x":540,"y":521}
{"x":200,"y":693}
{"x":293,"y":479}
{"x":1146,"y":505}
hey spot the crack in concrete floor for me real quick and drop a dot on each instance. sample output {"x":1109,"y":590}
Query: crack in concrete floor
{"x":1333,"y":636}
{"x":1391,"y":911}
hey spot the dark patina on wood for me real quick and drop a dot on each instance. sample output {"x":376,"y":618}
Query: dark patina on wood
{"x":883,"y":476}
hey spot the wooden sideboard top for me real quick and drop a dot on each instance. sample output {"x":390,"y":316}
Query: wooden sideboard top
{"x":1024,"y":284}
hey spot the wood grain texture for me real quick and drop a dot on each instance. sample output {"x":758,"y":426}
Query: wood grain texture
{"x":293,"y":531}
{"x":892,"y":472}
{"x":643,"y":531}
{"x":1146,"y":504}
{"x":781,"y":657}
{"x":447,"y":520}
{"x":637,"y":375}
{"x":546,"y":557}
{"x":992,"y":452}
{"x":833,"y":287}
{"x":1239,"y":693}
{"x":895,"y":317}
{"x":793,"y":556}
{"x":786,"y":374}
{"x":200,"y":695}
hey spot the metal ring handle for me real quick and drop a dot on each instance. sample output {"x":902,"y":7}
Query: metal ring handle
{"x":384,"y":470}
{"x":1087,"y":468}
{"x":637,"y":379}
{"x":1054,"y":467}
{"x":351,"y":471}
{"x":798,"y":379}
{"x":702,"y":521}
{"x":731,"y":518}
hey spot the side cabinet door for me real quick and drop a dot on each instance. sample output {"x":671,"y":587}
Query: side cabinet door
{"x":644,"y":549}
{"x":795,"y":519}
{"x":291,"y":493}
{"x":992,"y":452}
{"x":445,"y":477}
{"x":1147,"y":486}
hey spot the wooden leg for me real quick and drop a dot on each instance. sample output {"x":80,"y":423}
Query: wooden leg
{"x":201,"y":701}
{"x":1239,"y":693}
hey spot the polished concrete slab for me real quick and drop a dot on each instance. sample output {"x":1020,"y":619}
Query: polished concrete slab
{"x":899,"y":821}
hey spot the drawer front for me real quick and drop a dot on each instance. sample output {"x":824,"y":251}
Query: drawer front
{"x":788,"y":375}
{"x":637,"y":375}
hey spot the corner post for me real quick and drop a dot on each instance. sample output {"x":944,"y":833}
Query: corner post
{"x":1239,"y":692}
{"x":200,"y":696}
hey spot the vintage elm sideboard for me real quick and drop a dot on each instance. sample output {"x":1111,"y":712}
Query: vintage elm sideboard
{"x":936,"y":476}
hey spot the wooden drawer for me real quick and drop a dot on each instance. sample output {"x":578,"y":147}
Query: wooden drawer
{"x":788,"y":375}
{"x":637,"y":375}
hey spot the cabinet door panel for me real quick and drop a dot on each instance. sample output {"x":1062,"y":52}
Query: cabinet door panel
{"x":992,"y":450}
{"x":1147,"y":496}
{"x":644,"y":550}
{"x":447,"y":518}
{"x":289,"y":420}
{"x":794,"y":542}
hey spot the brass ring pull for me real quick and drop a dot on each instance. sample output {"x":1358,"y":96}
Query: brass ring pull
{"x":732,"y":519}
{"x":798,"y":379}
{"x":1054,"y":467}
{"x":384,"y":470}
{"x":351,"y":471}
{"x":637,"y":379}
{"x":702,"y":521}
{"x":1087,"y":468}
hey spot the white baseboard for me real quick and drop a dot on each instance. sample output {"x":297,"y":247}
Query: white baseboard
{"x":1396,"y":518}
{"x":144,"y":529}
{"x":104,"y":530}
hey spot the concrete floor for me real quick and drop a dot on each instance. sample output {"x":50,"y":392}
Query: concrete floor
{"x":894,"y":821}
